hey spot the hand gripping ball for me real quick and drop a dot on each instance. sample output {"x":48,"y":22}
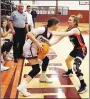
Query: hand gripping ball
{"x":44,"y":52}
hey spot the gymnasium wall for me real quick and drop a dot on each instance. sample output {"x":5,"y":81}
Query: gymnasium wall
{"x":64,"y":18}
{"x":74,"y":8}
{"x":85,"y":14}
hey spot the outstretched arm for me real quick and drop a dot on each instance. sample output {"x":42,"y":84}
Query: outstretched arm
{"x":69,"y":33}
{"x":55,"y":39}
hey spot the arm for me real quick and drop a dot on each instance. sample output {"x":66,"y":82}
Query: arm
{"x":69,"y":33}
{"x":3,"y":33}
{"x":31,"y":36}
{"x":55,"y":39}
{"x":26,"y":26}
{"x":32,"y":26}
{"x":11,"y":24}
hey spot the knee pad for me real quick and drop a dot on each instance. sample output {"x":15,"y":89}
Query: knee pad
{"x":76,"y":65}
{"x":35,"y":70}
{"x":45,"y":63}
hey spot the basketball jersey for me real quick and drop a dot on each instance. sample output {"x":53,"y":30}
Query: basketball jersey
{"x":77,"y":40}
{"x":42,"y":37}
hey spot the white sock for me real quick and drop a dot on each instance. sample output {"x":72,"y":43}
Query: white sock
{"x":43,"y":73}
{"x":23,"y":83}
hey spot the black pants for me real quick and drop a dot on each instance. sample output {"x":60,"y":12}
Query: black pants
{"x":18,"y":42}
{"x":34,"y":22}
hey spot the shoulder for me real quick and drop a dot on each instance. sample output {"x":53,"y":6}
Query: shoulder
{"x":14,"y":12}
{"x":76,"y":30}
{"x":39,"y":30}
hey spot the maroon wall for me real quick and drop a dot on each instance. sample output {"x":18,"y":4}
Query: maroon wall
{"x":85,"y":14}
{"x":64,"y":18}
{"x":45,"y":17}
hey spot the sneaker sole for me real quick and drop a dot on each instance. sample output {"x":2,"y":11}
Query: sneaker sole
{"x":5,"y":70}
{"x":22,"y":92}
{"x":44,"y":82}
{"x":83,"y":91}
{"x":70,"y":75}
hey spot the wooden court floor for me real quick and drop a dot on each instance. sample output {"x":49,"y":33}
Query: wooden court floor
{"x":61,"y":87}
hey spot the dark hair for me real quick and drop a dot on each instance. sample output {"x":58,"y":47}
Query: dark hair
{"x":52,"y":21}
{"x":28,"y":6}
{"x":7,"y":27}
{"x":76,"y":19}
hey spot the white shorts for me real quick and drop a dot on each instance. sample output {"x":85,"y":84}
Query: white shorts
{"x":29,"y":51}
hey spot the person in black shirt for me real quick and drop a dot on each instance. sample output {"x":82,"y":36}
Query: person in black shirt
{"x":34,"y":15}
{"x":78,"y":53}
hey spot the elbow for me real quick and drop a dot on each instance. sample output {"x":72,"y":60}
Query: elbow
{"x":29,"y":35}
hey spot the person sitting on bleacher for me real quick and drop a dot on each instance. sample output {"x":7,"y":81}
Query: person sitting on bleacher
{"x":6,"y":42}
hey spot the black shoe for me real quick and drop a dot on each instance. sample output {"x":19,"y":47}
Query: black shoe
{"x":82,"y":89}
{"x":68,"y":73}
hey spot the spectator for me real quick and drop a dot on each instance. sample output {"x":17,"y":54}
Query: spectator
{"x":34,"y":15}
{"x":29,"y":18}
{"x":6,"y":44}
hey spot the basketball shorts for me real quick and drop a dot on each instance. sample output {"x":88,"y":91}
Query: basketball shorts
{"x":79,"y":53}
{"x":29,"y":51}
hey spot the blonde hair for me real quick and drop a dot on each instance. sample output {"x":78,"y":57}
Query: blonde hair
{"x":76,"y":19}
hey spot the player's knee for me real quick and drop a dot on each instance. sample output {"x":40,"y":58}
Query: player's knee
{"x":77,"y":61}
{"x":68,"y":61}
{"x":35,"y":70}
{"x":76,"y":64}
{"x":45,"y":60}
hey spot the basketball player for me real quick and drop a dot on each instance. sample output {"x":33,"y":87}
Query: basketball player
{"x":30,"y":52}
{"x":78,"y":53}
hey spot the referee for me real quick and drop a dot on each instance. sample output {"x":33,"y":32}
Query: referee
{"x":19,"y":27}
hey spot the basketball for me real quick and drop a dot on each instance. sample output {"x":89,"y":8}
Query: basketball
{"x":43,"y":53}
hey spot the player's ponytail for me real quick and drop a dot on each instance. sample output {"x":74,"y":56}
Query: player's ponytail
{"x":76,"y":18}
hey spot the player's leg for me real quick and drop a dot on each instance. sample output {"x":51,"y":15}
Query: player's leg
{"x":31,"y":54}
{"x":35,"y":70}
{"x":43,"y":77}
{"x":76,"y":67}
{"x":68,"y":61}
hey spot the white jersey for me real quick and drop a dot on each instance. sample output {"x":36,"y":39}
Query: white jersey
{"x":30,"y":49}
{"x":38,"y":32}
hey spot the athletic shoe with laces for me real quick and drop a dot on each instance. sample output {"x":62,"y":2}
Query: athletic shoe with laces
{"x":23,"y":91}
{"x":3,"y":68}
{"x":82,"y":89}
{"x":68,"y":73}
{"x":44,"y":79}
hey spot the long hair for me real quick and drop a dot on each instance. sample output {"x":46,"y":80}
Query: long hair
{"x":7,"y":27}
